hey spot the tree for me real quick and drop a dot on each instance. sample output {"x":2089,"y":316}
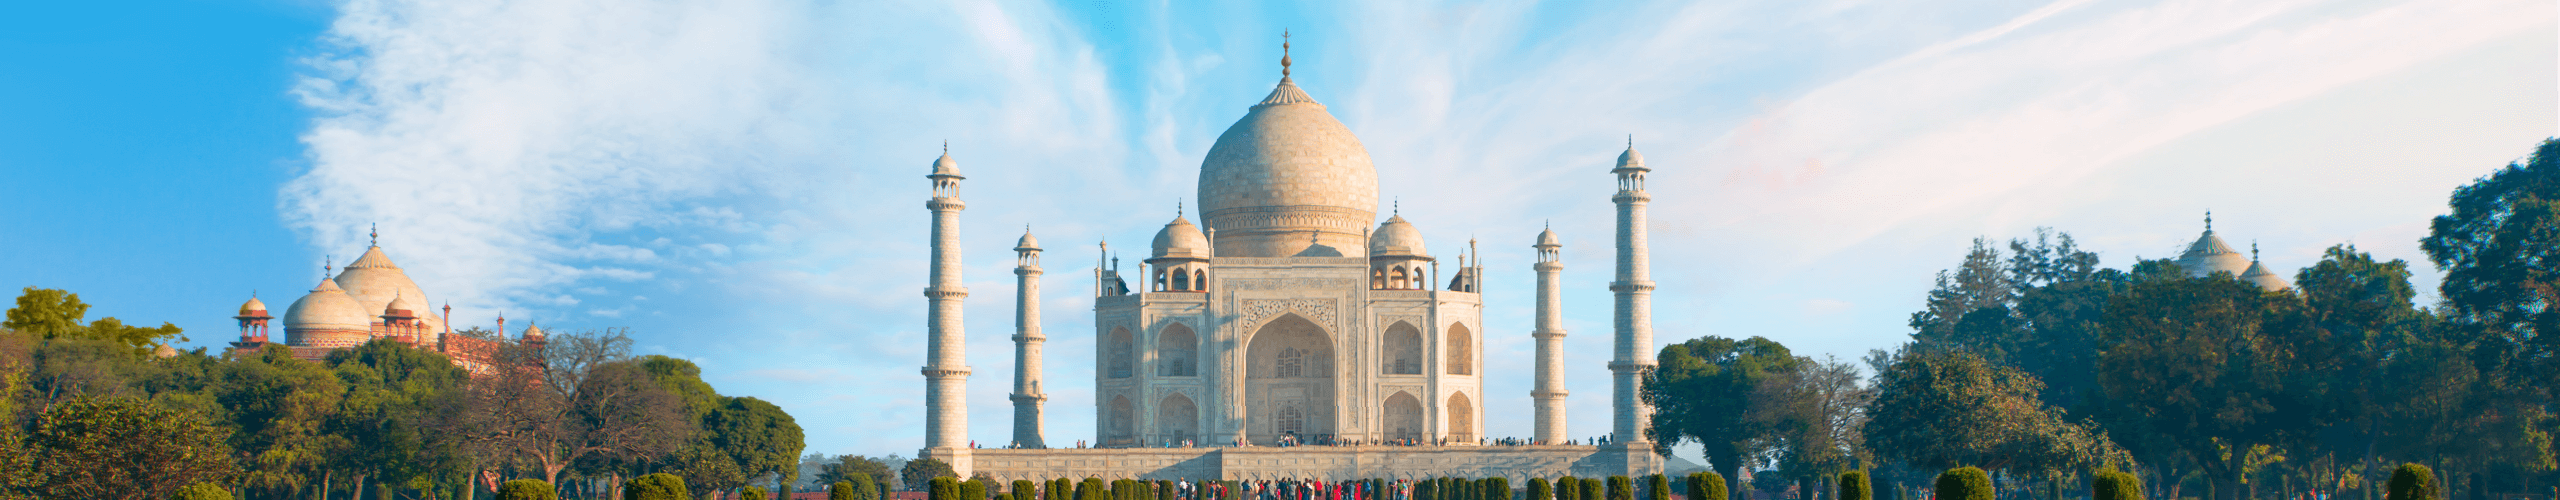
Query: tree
{"x":1981,"y":282}
{"x":1702,"y":391}
{"x":920,"y":472}
{"x":124,"y":448}
{"x":50,"y":314}
{"x":1945,"y":407}
{"x":2211,"y":364}
{"x":202,"y":491}
{"x":2366,"y":307}
{"x":2115,"y":485}
{"x":1964,"y":483}
{"x":527,"y":489}
{"x":281,"y":408}
{"x":659,"y":486}
{"x":1815,"y":414}
{"x":757,"y":436}
{"x":2500,"y":251}
{"x":611,"y":408}
{"x":859,"y":470}
{"x":394,"y":393}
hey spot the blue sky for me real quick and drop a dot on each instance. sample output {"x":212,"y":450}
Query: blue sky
{"x":740,"y":182}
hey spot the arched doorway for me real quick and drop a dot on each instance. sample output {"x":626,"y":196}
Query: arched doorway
{"x":1404,"y":350}
{"x":1289,"y":381}
{"x":1177,"y":420}
{"x":1404,"y":417}
{"x":1462,"y":419}
{"x":1174,"y":352}
{"x":1119,"y":353}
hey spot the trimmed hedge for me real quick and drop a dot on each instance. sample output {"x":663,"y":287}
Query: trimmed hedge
{"x":754,"y":493}
{"x":2113,"y":484}
{"x":844,"y":490}
{"x":2413,"y":482}
{"x":1657,"y":487}
{"x":527,"y":489}
{"x":1706,"y":486}
{"x":973,"y":489}
{"x":1964,"y":483}
{"x":201,"y":491}
{"x":941,"y":488}
{"x":1853,"y":486}
{"x":1591,"y":489}
{"x":1621,"y":488}
{"x":659,"y":486}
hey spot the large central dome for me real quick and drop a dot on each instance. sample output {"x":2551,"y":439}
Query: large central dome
{"x":1286,"y":178}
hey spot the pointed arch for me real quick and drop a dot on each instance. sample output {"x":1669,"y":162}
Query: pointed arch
{"x":1403,"y":350}
{"x":1462,"y":354}
{"x":1177,"y":419}
{"x":1122,"y":424}
{"x":1119,"y":354}
{"x":1404,"y":417}
{"x":1181,"y":280}
{"x":1397,"y":279}
{"x":1177,"y":349}
{"x":1378,"y":278}
{"x":1199,"y":280}
{"x":1289,"y":380}
{"x":1462,"y":418}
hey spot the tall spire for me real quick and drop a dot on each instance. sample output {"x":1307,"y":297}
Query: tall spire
{"x":1549,"y":394}
{"x":1634,"y":322}
{"x":946,"y":369}
{"x":1027,"y":396}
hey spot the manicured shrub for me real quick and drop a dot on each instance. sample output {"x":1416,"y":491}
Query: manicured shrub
{"x":527,"y":489}
{"x":1165,"y":490}
{"x":2413,"y":482}
{"x":1591,"y":489}
{"x":2115,"y":485}
{"x":942,"y":488}
{"x":201,"y":491}
{"x":1093,"y":489}
{"x":1540,"y":490}
{"x":1621,"y":488}
{"x":844,"y":490}
{"x":1023,"y":490}
{"x":1497,"y":488}
{"x":1853,"y":486}
{"x":659,"y":486}
{"x":1657,"y":487}
{"x":1706,"y":486}
{"x":754,"y":493}
{"x":1964,"y":483}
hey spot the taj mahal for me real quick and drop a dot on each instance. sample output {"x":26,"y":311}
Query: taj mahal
{"x":1289,"y":333}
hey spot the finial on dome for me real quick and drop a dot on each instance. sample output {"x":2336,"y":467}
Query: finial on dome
{"x":374,"y":235}
{"x":2208,"y":221}
{"x":1395,"y":207}
{"x":1177,"y":208}
{"x":328,"y":263}
{"x":2253,"y":250}
{"x":1284,"y":53}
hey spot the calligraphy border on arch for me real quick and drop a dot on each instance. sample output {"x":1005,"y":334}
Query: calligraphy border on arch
{"x":1322,"y":311}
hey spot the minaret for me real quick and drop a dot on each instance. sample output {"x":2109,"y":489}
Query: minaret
{"x":1634,"y":288}
{"x":1027,"y":397}
{"x":946,"y":369}
{"x":1549,"y":393}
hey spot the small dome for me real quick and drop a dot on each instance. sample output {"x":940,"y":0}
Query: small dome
{"x":1027,"y":243}
{"x":1547,"y":238}
{"x":327,"y":308}
{"x":373,"y":280}
{"x":532,"y":332}
{"x":1180,"y":239}
{"x":165,"y":351}
{"x":404,"y":303}
{"x":2210,"y":255}
{"x":1631,"y":160}
{"x":2265,"y":279}
{"x":1396,"y":238}
{"x":253,"y":307}
{"x":944,"y":166}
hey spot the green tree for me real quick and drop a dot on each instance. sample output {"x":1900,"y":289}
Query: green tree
{"x":1568,"y":488}
{"x":1853,"y":486}
{"x":1964,"y":483}
{"x":944,"y":488}
{"x":2366,"y":306}
{"x":1024,"y":490}
{"x":919,"y":473}
{"x":754,"y":493}
{"x":659,"y":486}
{"x":124,"y":448}
{"x":846,"y":490}
{"x":758,"y":436}
{"x":281,"y":408}
{"x":527,"y":489}
{"x":394,"y":396}
{"x":48,"y":314}
{"x":1656,"y":487}
{"x":1702,"y":391}
{"x":2413,"y":482}
{"x":2115,"y":485}
{"x":202,"y":491}
{"x":846,"y":467}
{"x":1940,"y":407}
{"x":2500,"y":251}
{"x":2212,"y":364}
{"x":1706,"y":486}
{"x":1620,"y":488}
{"x":1539,"y":489}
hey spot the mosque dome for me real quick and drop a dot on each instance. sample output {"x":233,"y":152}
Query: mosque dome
{"x":1026,"y":243}
{"x":404,"y":303}
{"x":253,"y":307}
{"x":1630,"y":160}
{"x":327,"y":314}
{"x":1181,"y":240}
{"x":1547,"y":238}
{"x":1283,"y":174}
{"x":1396,"y":238}
{"x":2210,"y":255}
{"x":2265,"y":279}
{"x":530,"y":332}
{"x":374,"y":281}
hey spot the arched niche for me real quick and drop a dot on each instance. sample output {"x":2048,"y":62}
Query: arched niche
{"x":1289,"y":380}
{"x":1462,"y":418}
{"x":1462,"y":354}
{"x":1403,"y":350}
{"x":1177,"y":352}
{"x":1121,"y":424}
{"x":1404,"y":417}
{"x":1119,"y":354}
{"x":1177,"y":420}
